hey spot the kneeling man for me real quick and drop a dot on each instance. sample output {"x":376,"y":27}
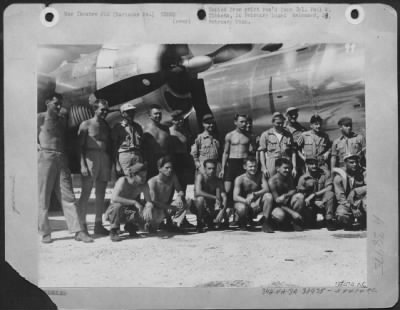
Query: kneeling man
{"x":286,"y":203}
{"x":316,"y":185}
{"x":249,"y":195}
{"x":126,"y":206}
{"x":210,"y":197}
{"x":162,"y":188}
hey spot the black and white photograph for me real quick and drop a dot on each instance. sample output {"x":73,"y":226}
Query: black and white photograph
{"x":231,"y":154}
{"x":220,"y":164}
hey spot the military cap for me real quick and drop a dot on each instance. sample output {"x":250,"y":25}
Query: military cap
{"x":208,"y":118}
{"x":350,"y":155}
{"x":276,"y":115}
{"x":176,"y":114}
{"x":137,"y":168}
{"x":315,"y":118}
{"x":127,"y":106}
{"x":345,"y":121}
{"x":311,"y":158}
{"x":291,"y":109}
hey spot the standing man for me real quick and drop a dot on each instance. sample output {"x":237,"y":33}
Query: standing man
{"x":317,"y":188}
{"x":210,"y":197}
{"x":236,"y":149}
{"x":126,"y":206}
{"x":162,"y":188}
{"x":254,"y":139}
{"x":249,"y":195}
{"x":292,"y":125}
{"x":95,"y":142}
{"x":155,"y":140}
{"x":53,"y":171}
{"x":206,"y":146}
{"x":127,"y":140}
{"x":180,"y":141}
{"x":315,"y":143}
{"x":276,"y":143}
{"x":285,"y":203}
{"x":351,"y":193}
{"x":348,"y":143}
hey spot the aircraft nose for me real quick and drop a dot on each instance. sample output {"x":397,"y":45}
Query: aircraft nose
{"x":197,"y":64}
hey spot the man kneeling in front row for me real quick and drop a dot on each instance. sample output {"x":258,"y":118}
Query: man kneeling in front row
{"x":249,"y":195}
{"x":210,"y":198}
{"x":126,"y":206}
{"x":162,"y":188}
{"x":288,"y":206}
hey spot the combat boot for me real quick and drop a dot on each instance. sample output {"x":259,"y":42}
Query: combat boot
{"x":114,"y":235}
{"x":100,"y":230}
{"x":47,"y":239}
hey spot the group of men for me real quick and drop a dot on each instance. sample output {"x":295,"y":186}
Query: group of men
{"x":285,"y":177}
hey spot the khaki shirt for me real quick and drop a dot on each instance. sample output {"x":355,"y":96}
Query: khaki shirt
{"x":308,"y":184}
{"x":355,"y":144}
{"x":314,"y":145}
{"x":205,"y":147}
{"x":273,"y":147}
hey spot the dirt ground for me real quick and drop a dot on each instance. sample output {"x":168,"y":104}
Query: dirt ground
{"x":230,"y":258}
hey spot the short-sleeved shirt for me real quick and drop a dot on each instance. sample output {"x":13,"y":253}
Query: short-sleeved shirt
{"x":205,"y":147}
{"x":309,"y":184}
{"x":128,"y":137}
{"x":295,"y":129}
{"x":312,"y":144}
{"x":355,"y":144}
{"x":275,"y":147}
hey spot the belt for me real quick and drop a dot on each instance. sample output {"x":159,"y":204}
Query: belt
{"x":129,"y":151}
{"x":51,"y":150}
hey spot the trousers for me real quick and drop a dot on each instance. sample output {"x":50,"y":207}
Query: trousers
{"x":54,"y":174}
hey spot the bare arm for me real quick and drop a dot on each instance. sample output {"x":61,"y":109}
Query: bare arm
{"x":199,"y":189}
{"x":82,"y":135}
{"x":236,"y":191}
{"x":118,"y":198}
{"x":40,"y":120}
{"x":264,"y":187}
{"x":225,"y":154}
{"x":152,"y":194}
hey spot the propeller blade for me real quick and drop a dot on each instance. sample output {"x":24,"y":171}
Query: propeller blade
{"x":131,"y":88}
{"x":229,"y":52}
{"x":272,"y":47}
{"x":197,"y":64}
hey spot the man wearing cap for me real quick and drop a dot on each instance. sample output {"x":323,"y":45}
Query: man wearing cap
{"x":95,"y":144}
{"x":351,"y":193}
{"x":126,"y":206}
{"x":127,"y":140}
{"x":292,"y":125}
{"x":236,"y":149}
{"x":180,"y":141}
{"x":53,"y":171}
{"x":317,"y":188}
{"x":348,"y":143}
{"x":275,"y":143}
{"x":315,"y":143}
{"x":162,"y":188}
{"x":206,"y":146}
{"x":155,"y":140}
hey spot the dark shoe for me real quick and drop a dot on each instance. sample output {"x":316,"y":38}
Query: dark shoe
{"x":331,"y":225}
{"x":114,"y":236}
{"x":131,"y":229}
{"x":82,"y":236}
{"x":297,"y":226}
{"x":224,"y":225}
{"x":100,"y":230}
{"x":200,"y":229}
{"x":266,"y":227}
{"x":186,"y":224}
{"x":47,"y":239}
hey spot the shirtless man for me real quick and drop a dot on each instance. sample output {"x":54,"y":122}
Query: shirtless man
{"x":249,"y":195}
{"x":162,"y":188}
{"x":155,"y":140}
{"x":210,"y":197}
{"x":236,"y":149}
{"x":126,"y":206}
{"x":283,"y":199}
{"x":94,"y":139}
{"x":53,"y":171}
